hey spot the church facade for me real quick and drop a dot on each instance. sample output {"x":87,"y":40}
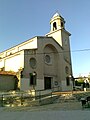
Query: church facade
{"x":43,"y":62}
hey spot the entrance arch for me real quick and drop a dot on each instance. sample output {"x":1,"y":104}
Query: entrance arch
{"x":51,"y":61}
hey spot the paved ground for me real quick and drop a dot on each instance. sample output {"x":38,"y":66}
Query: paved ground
{"x":46,"y":115}
{"x":58,"y":111}
{"x":57,"y":106}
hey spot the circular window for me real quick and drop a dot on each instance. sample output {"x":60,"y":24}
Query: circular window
{"x":47,"y":59}
{"x":33,"y":62}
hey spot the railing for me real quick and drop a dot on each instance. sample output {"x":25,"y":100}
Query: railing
{"x":33,"y":97}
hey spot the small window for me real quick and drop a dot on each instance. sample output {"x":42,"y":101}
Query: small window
{"x":62,"y":25}
{"x":33,"y":78}
{"x":67,"y":81}
{"x":54,"y":26}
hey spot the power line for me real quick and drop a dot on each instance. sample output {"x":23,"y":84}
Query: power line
{"x":56,"y":52}
{"x":81,"y":50}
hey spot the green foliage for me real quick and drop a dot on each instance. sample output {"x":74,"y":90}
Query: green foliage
{"x":79,"y":83}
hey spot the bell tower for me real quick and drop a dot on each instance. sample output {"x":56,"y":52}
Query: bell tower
{"x":57,"y":30}
{"x":57,"y":22}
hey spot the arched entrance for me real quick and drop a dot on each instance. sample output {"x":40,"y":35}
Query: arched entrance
{"x":51,"y":57}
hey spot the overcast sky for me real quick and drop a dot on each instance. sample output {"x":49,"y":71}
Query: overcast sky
{"x":21,"y":20}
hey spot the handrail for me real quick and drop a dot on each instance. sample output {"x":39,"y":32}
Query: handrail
{"x":21,"y":96}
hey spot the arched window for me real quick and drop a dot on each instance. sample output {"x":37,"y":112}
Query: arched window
{"x":62,"y":25}
{"x":54,"y":26}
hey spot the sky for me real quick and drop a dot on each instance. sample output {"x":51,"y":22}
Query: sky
{"x":21,"y":20}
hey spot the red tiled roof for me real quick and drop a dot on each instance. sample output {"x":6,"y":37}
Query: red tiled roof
{"x":7,"y":73}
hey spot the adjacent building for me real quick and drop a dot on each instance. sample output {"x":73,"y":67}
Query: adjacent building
{"x":43,"y":62}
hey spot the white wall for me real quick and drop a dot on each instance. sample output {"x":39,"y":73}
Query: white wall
{"x":57,"y":36}
{"x":15,"y":62}
{"x":32,"y":44}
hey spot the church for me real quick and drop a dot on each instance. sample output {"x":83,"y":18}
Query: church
{"x":40,"y":63}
